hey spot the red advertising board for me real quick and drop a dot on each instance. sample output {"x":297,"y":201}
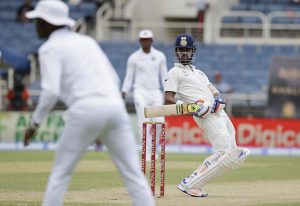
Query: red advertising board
{"x":252,"y":132}
{"x":184,"y":130}
{"x":263,"y":132}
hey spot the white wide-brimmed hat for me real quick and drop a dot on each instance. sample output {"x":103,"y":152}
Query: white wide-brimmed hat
{"x":54,"y":12}
{"x":146,"y":34}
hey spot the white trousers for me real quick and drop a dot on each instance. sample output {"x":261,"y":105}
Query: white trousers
{"x":84,"y":122}
{"x":219,"y":130}
{"x":143,"y":98}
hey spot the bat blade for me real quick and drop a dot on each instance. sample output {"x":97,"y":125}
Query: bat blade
{"x":171,"y":110}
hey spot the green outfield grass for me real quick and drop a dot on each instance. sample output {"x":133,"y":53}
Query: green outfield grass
{"x":262,"y":181}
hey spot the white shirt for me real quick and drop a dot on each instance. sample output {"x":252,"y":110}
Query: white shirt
{"x":73,"y":66}
{"x":201,"y":4}
{"x":144,"y":70}
{"x":189,"y":84}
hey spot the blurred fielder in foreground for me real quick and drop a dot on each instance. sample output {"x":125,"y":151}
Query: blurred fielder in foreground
{"x":75,"y":69}
{"x":187,"y":84}
{"x":146,"y":70}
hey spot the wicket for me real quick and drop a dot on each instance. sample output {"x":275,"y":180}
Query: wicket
{"x":153,"y":126}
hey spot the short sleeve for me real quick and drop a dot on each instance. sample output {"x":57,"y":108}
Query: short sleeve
{"x":51,"y":70}
{"x":207,"y":82}
{"x":171,"y":81}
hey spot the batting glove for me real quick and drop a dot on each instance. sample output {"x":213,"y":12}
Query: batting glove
{"x":204,"y":109}
{"x":218,"y":104}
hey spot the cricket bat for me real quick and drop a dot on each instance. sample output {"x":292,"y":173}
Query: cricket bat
{"x":171,"y":110}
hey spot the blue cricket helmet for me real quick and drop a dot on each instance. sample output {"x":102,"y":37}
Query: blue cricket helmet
{"x":185,"y":41}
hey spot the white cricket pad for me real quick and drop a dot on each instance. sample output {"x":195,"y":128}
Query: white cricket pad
{"x":213,"y":169}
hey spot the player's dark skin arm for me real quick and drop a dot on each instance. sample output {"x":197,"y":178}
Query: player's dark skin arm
{"x":169,"y":98}
{"x":44,"y":29}
{"x":29,"y":134}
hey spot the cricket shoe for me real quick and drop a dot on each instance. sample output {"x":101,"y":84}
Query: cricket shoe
{"x":194,"y":192}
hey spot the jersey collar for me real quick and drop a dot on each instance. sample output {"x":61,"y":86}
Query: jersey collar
{"x":189,"y":66}
{"x":59,"y":32}
{"x":141,"y":50}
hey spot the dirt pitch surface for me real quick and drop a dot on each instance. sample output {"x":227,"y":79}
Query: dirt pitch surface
{"x":262,"y":181}
{"x":242,"y":193}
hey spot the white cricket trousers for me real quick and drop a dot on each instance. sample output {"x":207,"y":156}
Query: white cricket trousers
{"x":85,"y":120}
{"x":143,"y":98}
{"x":219,"y":130}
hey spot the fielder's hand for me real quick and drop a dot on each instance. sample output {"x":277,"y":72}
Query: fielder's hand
{"x":30,"y":132}
{"x":204,"y":109}
{"x":218,"y":104}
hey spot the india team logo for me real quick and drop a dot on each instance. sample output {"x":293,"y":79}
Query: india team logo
{"x":183,"y":41}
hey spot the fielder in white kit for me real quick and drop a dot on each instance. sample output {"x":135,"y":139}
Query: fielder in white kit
{"x":146,"y":70}
{"x":185,"y":83}
{"x":76,"y":70}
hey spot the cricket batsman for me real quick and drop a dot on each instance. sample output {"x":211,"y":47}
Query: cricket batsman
{"x":185,"y":83}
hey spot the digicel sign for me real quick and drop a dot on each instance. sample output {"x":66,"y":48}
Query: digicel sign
{"x":267,"y":132}
{"x":255,"y":132}
{"x":184,"y":130}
